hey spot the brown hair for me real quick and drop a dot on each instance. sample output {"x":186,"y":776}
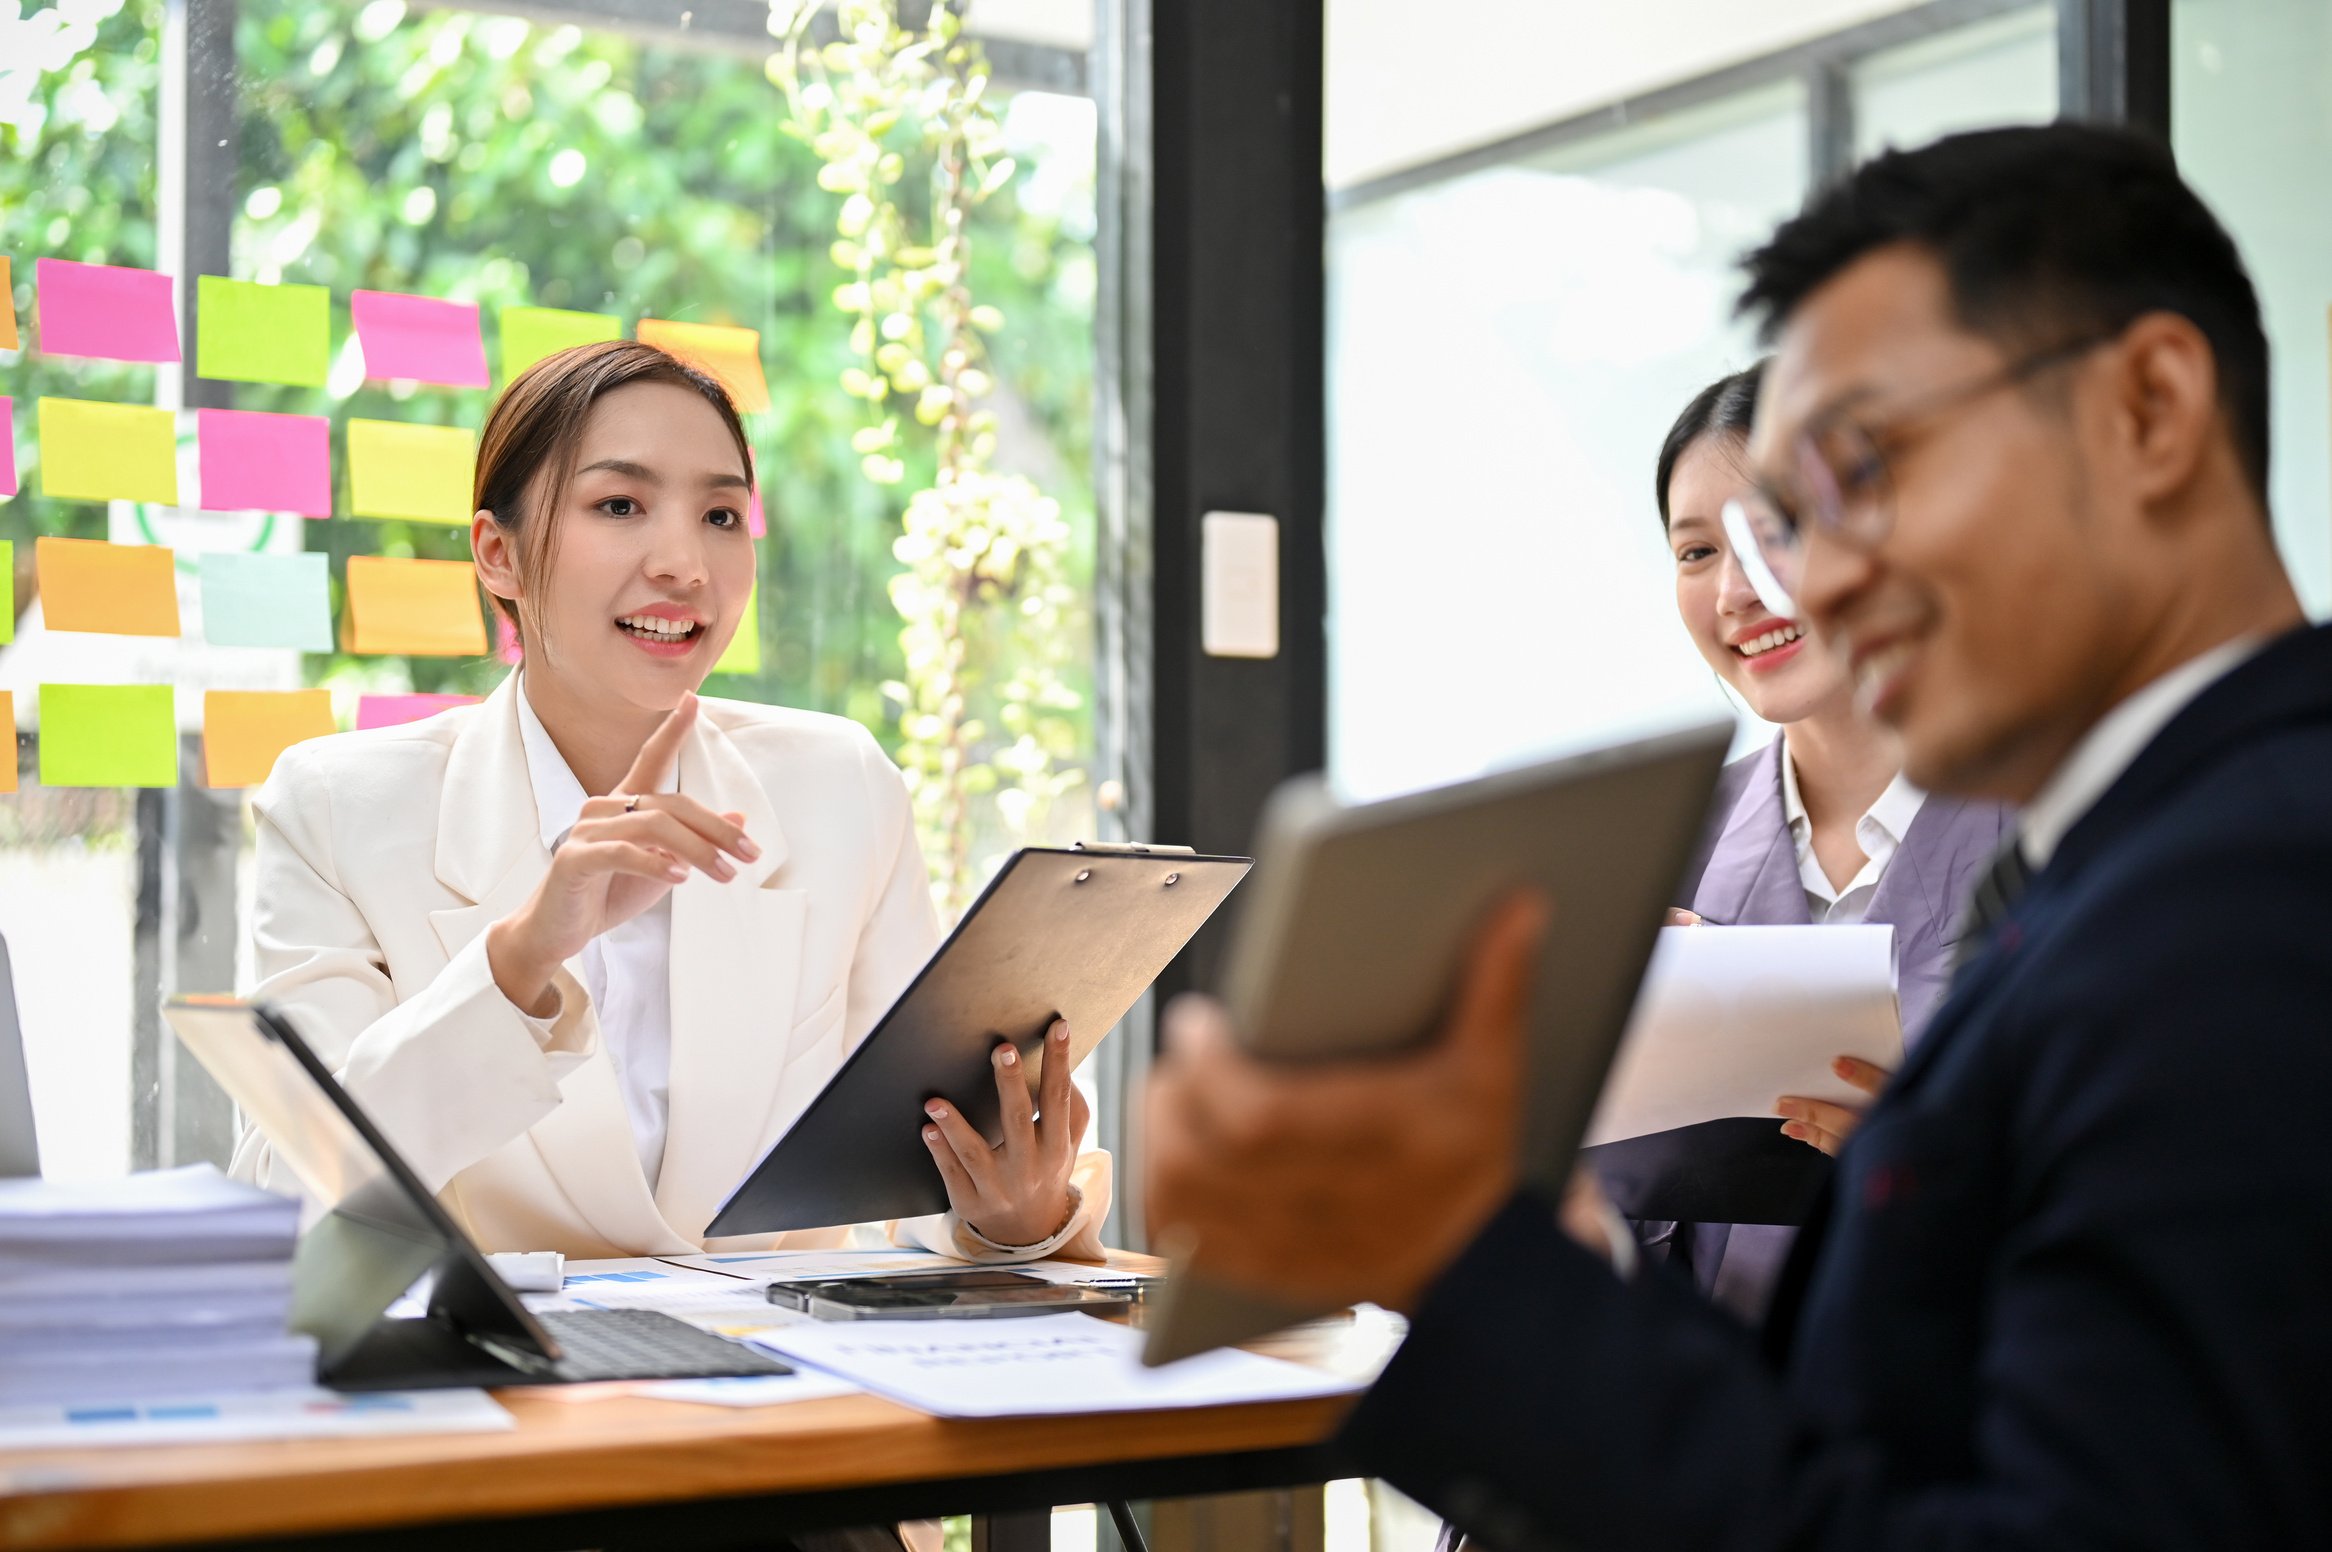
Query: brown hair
{"x":534,"y":429}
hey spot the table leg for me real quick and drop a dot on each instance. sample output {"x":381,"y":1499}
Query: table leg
{"x":1028,"y":1530}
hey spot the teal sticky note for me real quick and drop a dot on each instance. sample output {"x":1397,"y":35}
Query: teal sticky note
{"x":249,"y":333}
{"x":108,"y":735}
{"x":267,"y":601}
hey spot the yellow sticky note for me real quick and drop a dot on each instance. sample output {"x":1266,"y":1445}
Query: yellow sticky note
{"x":420,"y":608}
{"x":244,"y":730}
{"x":8,"y":728}
{"x":117,"y":589}
{"x":8,"y":340}
{"x":108,"y":735}
{"x":108,"y":452}
{"x":743,"y":653}
{"x":396,"y":469}
{"x":730,"y":354}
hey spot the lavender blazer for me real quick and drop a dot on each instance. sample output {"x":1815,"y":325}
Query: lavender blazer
{"x":1745,"y":874}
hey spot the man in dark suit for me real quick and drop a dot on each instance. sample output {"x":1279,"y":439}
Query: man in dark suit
{"x":2073,"y":1287}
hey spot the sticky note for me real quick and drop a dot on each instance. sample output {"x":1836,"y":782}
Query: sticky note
{"x":108,"y":735}
{"x":398,"y":469}
{"x":743,"y":653}
{"x":254,"y":462}
{"x":117,"y":589}
{"x":531,"y":333}
{"x":249,"y":333}
{"x":8,"y":339}
{"x":419,"y":337}
{"x":730,"y":354}
{"x":7,"y":717}
{"x":267,"y":601}
{"x":7,"y":592}
{"x":374,"y":711}
{"x":421,"y":608}
{"x":244,"y":730}
{"x":104,"y":310}
{"x":7,"y":434}
{"x":108,"y":452}
{"x":507,"y":646}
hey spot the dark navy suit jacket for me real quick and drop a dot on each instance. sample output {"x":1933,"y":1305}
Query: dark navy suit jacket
{"x":2074,"y":1286}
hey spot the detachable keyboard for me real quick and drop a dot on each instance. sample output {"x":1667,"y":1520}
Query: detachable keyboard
{"x":637,"y":1344}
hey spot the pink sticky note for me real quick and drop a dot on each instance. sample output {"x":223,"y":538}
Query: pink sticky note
{"x":253,"y":462}
{"x":374,"y":711}
{"x":756,"y":522}
{"x":7,"y":442}
{"x":506,"y":643}
{"x":419,"y":337}
{"x":105,"y":310}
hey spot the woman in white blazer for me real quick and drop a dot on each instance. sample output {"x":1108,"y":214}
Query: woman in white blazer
{"x":586,"y":950}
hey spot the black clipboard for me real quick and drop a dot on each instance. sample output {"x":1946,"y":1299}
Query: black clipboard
{"x":1074,"y":934}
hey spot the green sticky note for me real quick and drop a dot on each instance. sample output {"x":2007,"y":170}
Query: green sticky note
{"x":743,"y":655}
{"x":267,"y":601}
{"x":108,"y":735}
{"x":7,"y":592}
{"x":249,"y":333}
{"x":531,"y":333}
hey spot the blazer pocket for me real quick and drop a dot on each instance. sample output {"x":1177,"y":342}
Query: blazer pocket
{"x":820,"y":1030}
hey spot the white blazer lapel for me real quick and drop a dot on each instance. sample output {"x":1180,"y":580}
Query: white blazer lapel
{"x":736,"y":965}
{"x":490,"y":850}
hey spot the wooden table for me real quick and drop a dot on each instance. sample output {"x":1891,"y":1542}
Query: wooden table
{"x":623,"y":1470}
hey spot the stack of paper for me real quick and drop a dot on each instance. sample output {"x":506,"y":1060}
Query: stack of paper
{"x":173,"y":1283}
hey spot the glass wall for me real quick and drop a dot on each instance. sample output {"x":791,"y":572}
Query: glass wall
{"x":1999,"y":71}
{"x":1507,"y":345}
{"x":638,"y":171}
{"x":1505,"y":351}
{"x":2249,"y":87}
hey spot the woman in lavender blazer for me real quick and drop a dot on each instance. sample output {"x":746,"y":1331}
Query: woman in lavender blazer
{"x":1817,"y":827}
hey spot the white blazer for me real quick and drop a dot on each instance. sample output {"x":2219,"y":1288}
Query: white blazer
{"x":383,"y":856}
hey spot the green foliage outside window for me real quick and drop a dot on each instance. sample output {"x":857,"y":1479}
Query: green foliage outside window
{"x":500,"y":161}
{"x":912,"y":145}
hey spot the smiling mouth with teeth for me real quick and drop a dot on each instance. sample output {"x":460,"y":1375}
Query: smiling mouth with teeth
{"x":654,"y":628}
{"x":1760,"y":645}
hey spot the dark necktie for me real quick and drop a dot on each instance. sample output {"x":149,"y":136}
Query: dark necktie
{"x":1997,"y":892}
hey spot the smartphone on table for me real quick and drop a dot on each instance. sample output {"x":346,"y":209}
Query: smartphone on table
{"x":973,"y":1295}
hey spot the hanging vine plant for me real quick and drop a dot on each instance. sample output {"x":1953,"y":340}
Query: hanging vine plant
{"x":903,"y":125}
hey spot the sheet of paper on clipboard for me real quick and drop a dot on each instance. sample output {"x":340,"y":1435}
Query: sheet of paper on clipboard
{"x":1076,"y":934}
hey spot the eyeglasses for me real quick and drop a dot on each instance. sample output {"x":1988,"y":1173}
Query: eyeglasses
{"x":1840,"y":482}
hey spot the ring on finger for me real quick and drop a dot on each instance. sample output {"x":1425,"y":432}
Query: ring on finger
{"x":631,"y":804}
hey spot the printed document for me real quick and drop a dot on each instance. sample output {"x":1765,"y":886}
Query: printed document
{"x":1034,"y":1366}
{"x":1732,"y":1018}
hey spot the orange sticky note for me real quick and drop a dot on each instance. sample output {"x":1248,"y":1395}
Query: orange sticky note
{"x":420,"y":608}
{"x":244,"y":730}
{"x":8,"y":339}
{"x":117,"y":589}
{"x":8,"y":724}
{"x":730,"y":354}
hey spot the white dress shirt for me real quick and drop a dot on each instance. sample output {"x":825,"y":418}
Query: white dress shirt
{"x":627,"y":970}
{"x":2119,"y":737}
{"x":1879,"y":832}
